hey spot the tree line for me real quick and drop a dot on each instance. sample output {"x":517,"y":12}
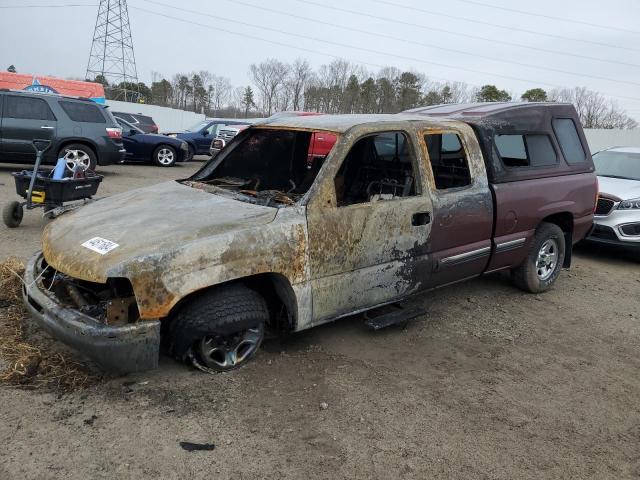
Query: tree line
{"x":344,"y":87}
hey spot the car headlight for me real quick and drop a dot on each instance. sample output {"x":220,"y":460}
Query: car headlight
{"x":172,"y":135}
{"x":633,"y":204}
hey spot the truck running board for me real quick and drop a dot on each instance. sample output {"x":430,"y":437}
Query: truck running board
{"x":389,"y":315}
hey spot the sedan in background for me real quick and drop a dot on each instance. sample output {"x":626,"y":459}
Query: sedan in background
{"x":149,"y":147}
{"x":617,"y":216}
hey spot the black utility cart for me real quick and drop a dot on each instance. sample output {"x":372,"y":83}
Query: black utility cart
{"x":40,"y":190}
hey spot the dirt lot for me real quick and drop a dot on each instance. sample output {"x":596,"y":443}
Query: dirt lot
{"x":491,"y":383}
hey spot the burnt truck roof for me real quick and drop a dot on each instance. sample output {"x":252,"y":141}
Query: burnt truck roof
{"x":487,"y":120}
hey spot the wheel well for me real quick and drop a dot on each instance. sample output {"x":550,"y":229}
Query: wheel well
{"x":274,"y":288}
{"x":79,"y":142}
{"x":564,"y":220}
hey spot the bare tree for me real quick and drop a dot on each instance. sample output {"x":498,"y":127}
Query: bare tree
{"x":220,"y":92}
{"x":594,"y":109}
{"x":299,"y":75}
{"x":269,"y":77}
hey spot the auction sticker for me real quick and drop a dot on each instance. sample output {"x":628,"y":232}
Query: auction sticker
{"x":100,"y":245}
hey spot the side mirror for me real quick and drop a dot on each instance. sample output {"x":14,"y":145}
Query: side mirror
{"x":205,"y":133}
{"x":132,"y":132}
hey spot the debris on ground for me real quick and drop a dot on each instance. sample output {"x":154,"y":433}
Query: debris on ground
{"x":29,"y":363}
{"x":193,"y":447}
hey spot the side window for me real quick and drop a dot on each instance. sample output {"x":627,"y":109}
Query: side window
{"x":449,"y":162}
{"x":378,"y":167}
{"x":569,"y":140}
{"x":83,"y":112}
{"x":213,"y":129}
{"x":529,"y":150}
{"x":27,"y":108}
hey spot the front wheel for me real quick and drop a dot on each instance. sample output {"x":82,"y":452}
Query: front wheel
{"x":12,"y":214}
{"x":542,"y":266}
{"x":164,"y":156}
{"x":220,"y":330}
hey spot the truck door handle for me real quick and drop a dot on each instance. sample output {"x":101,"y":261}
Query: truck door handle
{"x":46,"y":127}
{"x":421,"y":218}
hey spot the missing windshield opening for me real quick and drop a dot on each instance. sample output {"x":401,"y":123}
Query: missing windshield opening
{"x":266,"y":167}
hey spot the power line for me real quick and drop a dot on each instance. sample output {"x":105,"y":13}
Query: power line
{"x":505,"y":27}
{"x":551,"y":17}
{"x":432,"y":28}
{"x":68,"y":5}
{"x":320,"y":40}
{"x":428,"y":45}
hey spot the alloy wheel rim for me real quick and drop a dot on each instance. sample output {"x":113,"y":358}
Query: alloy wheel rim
{"x":165,"y":156}
{"x":224,"y":352}
{"x":73,"y":157}
{"x":547,"y":260}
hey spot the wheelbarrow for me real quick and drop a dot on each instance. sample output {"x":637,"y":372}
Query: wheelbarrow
{"x":39,"y":190}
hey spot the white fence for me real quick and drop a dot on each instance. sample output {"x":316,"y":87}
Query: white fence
{"x":599,"y":139}
{"x":167,"y":119}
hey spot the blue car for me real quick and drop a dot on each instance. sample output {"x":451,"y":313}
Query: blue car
{"x":144,"y":147}
{"x":200,"y":135}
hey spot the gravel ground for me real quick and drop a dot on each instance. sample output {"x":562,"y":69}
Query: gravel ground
{"x":490,"y":383}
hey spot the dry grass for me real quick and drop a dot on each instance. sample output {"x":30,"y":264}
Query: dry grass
{"x":31,"y":364}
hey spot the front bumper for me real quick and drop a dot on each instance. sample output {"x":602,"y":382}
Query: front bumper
{"x":611,"y":228}
{"x":129,"y":348}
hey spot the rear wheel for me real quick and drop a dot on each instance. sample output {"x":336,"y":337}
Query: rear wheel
{"x":12,"y":214}
{"x":542,"y":266}
{"x":164,"y":156}
{"x":221,"y":329}
{"x":78,"y":153}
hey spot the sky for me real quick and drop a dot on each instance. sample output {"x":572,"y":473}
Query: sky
{"x":587,"y":42}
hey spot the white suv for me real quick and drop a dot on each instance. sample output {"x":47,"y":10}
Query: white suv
{"x":617,"y":216}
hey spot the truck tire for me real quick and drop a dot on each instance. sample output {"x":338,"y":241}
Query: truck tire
{"x":219,"y":330}
{"x":79,"y":152}
{"x":12,"y":214}
{"x":164,"y":156}
{"x":542,"y":266}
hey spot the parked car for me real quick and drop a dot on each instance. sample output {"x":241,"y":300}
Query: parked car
{"x":200,"y":135}
{"x":79,"y":129}
{"x":143,"y":122}
{"x":258,"y":237}
{"x":226,"y":133}
{"x":160,"y":150}
{"x":617,"y":216}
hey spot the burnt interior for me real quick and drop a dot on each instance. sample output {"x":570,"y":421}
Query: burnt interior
{"x":111,"y":303}
{"x":376,"y":166}
{"x":266,"y":166}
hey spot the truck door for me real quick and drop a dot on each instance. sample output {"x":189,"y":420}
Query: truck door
{"x":368,"y":225}
{"x":460,"y":244}
{"x":25,"y":119}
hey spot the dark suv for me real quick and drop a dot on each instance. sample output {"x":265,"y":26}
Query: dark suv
{"x":78,"y":129}
{"x":143,"y":122}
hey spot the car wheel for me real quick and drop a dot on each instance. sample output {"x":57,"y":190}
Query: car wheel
{"x":78,"y":153}
{"x":220,"y":330}
{"x":164,"y":156}
{"x":12,"y":214}
{"x":542,"y":266}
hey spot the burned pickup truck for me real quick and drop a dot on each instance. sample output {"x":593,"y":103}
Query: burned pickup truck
{"x":266,"y":236}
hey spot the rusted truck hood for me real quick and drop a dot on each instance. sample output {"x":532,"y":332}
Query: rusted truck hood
{"x":143,"y":223}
